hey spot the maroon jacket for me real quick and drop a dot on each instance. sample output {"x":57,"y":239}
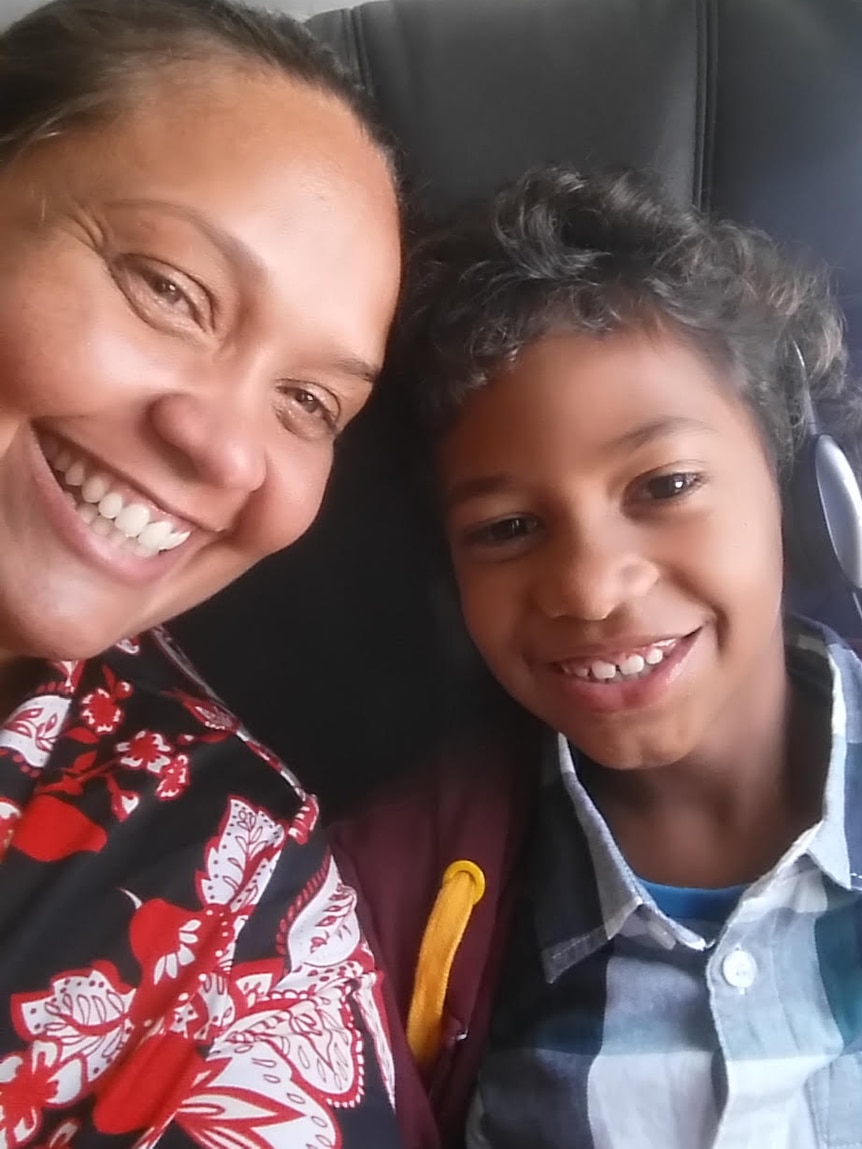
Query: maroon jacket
{"x":471,"y":805}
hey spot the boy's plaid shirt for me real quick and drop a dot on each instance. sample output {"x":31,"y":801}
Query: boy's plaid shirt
{"x":617,"y":1026}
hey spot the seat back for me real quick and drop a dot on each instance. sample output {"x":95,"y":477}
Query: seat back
{"x":334,"y":651}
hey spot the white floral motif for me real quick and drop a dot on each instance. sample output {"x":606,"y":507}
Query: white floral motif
{"x":370,"y":1002}
{"x":240,"y":862}
{"x":325,"y":932}
{"x":314,"y":1032}
{"x":32,"y":729}
{"x":227,"y":1109}
{"x":170,"y":964}
{"x":78,"y":1026}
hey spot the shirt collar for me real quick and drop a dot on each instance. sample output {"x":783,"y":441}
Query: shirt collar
{"x":818,"y":657}
{"x":587,"y":890}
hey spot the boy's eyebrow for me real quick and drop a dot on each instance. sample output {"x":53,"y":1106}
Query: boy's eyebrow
{"x":656,"y":428}
{"x":466,"y":489}
{"x":475,"y":488}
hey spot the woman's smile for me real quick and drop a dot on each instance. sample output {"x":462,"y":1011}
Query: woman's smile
{"x":104,"y":521}
{"x":110,"y":507}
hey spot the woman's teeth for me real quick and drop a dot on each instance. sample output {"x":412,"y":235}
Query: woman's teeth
{"x":128,"y":524}
{"x":637,"y":664}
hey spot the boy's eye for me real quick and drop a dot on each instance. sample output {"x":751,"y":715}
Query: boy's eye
{"x":502,"y":531}
{"x":673,"y":485}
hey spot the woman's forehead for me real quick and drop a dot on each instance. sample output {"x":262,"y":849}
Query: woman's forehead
{"x":283,"y":174}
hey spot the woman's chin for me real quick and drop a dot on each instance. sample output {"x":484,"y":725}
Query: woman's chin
{"x":55,"y":639}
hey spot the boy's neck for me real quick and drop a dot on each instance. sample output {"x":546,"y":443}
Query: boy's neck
{"x":726,"y":814}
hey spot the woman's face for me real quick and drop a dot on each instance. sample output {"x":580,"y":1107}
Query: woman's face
{"x":193,"y":301}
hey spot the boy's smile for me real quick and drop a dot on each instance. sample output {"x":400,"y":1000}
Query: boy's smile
{"x":615,"y":529}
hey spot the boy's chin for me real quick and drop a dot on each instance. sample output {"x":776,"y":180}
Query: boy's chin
{"x":629,"y":754}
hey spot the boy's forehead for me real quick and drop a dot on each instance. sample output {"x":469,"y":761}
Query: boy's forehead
{"x":595,"y":394}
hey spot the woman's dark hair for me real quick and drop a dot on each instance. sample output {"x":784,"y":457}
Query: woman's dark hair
{"x":75,"y":62}
{"x":558,"y":251}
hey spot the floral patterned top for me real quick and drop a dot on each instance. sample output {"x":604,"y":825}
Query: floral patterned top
{"x":179,"y":962}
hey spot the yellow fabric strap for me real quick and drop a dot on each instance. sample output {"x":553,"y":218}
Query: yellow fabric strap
{"x":462,"y":888}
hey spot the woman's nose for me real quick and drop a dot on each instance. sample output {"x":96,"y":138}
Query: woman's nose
{"x":218,"y":444}
{"x":591,"y":578}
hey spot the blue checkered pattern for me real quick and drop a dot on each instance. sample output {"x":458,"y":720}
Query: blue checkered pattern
{"x":618,"y":1027}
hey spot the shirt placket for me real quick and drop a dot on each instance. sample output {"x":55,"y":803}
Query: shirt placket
{"x":754,"y":1000}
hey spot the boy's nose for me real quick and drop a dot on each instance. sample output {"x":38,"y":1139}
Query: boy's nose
{"x":219,"y":444}
{"x":591,"y":579}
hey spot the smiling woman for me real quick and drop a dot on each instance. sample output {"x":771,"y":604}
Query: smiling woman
{"x":199,"y":261}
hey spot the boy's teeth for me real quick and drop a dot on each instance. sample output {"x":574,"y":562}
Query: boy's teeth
{"x":626,"y":666}
{"x":106,"y":512}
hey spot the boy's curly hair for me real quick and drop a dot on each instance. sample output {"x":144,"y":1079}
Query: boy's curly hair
{"x":559,"y":251}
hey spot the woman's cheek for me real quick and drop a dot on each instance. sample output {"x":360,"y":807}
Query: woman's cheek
{"x":287,"y":504}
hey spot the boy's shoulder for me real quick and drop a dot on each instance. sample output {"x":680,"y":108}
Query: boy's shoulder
{"x":825,"y":662}
{"x":470,"y":802}
{"x":464,"y":798}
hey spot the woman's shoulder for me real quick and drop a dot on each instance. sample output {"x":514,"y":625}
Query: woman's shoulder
{"x":151,"y":682}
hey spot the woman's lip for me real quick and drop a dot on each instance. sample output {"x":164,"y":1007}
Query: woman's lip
{"x":635,"y":694}
{"x":95,"y":551}
{"x":124,"y":485}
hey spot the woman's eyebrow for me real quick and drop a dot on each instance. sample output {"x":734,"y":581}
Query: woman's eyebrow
{"x":355,"y":367}
{"x":346,"y":363}
{"x":232,"y":248}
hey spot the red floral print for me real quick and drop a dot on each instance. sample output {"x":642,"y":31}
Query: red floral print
{"x":174,"y":777}
{"x":100,"y":712}
{"x":222,"y":987}
{"x":146,"y":750}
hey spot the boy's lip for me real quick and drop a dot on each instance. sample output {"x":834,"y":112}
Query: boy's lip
{"x":618,"y":647}
{"x":621,"y":696}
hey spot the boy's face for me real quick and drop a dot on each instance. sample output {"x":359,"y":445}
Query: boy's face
{"x":615,"y":527}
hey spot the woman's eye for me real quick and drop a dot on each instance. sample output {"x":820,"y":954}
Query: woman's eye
{"x":168,"y":291}
{"x":312,"y":412}
{"x":502,"y":531}
{"x":675,"y":484}
{"x":158,"y":292}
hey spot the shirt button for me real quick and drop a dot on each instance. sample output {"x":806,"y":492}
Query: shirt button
{"x":739,"y":969}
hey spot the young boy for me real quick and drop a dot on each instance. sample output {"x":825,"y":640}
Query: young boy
{"x":614,"y":391}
